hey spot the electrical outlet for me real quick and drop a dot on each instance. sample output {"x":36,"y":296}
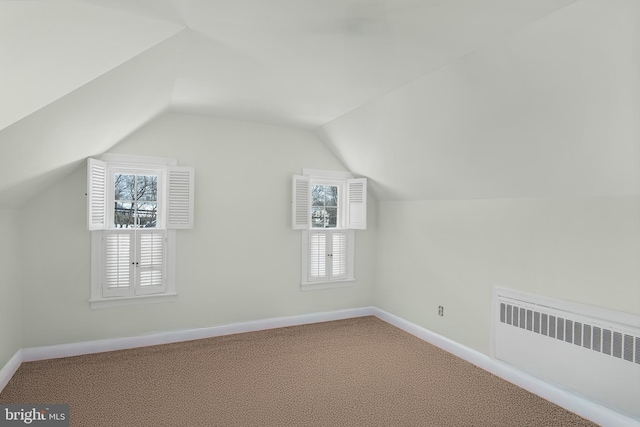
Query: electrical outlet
{"x":440,"y":310}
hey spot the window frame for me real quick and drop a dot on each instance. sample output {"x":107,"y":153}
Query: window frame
{"x":139,"y":165}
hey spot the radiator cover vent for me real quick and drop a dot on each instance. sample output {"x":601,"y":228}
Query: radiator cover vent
{"x":611,"y":342}
{"x":591,"y":350}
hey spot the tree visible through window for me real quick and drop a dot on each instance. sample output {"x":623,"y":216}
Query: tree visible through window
{"x":324,"y":206}
{"x":136,"y":201}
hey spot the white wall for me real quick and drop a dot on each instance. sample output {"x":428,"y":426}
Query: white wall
{"x":451,"y":253}
{"x":233,"y":266}
{"x":10,"y":316}
{"x":549,"y":111}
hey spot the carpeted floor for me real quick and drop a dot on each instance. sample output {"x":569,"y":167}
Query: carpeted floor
{"x":355,"y":372}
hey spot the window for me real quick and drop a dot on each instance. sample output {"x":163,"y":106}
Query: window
{"x":135,"y":199}
{"x":135,"y":204}
{"x":324,"y":206}
{"x":328,"y":206}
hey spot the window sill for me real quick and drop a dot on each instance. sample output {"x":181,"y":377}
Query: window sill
{"x":99,"y":303}
{"x":316,"y":286}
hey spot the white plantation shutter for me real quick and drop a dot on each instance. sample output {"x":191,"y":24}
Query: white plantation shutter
{"x":357,"y":203}
{"x":96,"y":194}
{"x":317,"y":256}
{"x":150,"y":261}
{"x":328,"y":255}
{"x":301,"y":199}
{"x":135,"y":262}
{"x":338,"y":255}
{"x":180,"y":197}
{"x":119,"y":263}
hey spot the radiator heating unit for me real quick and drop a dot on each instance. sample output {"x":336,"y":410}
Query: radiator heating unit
{"x":589,"y":350}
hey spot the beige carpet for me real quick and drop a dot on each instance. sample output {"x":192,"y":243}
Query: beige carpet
{"x":355,"y":372}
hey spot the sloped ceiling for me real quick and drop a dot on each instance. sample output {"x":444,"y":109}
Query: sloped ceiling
{"x":550,"y":111}
{"x":428,"y":98}
{"x":51,"y":48}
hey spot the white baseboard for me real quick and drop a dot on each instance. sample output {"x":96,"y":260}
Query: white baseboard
{"x":567,"y":399}
{"x":10,"y":368}
{"x":99,"y":346}
{"x":558,"y":395}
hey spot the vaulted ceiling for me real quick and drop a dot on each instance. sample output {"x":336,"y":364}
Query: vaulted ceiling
{"x":427,"y":98}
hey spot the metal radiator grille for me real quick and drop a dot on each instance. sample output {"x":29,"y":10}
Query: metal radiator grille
{"x":593,"y":337}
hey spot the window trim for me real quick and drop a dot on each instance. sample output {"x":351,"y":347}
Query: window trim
{"x":101,"y":303}
{"x":137,"y":161}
